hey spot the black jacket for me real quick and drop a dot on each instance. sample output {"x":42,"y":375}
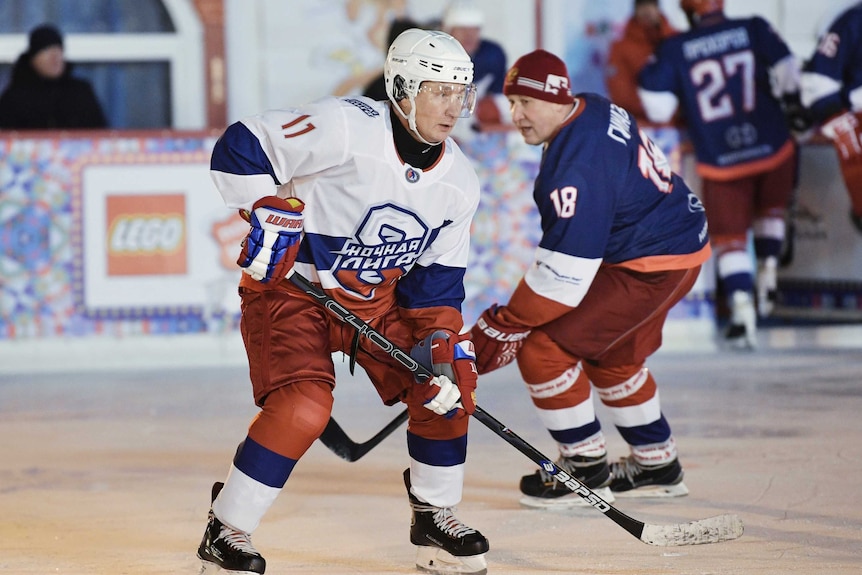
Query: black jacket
{"x":31,"y":102}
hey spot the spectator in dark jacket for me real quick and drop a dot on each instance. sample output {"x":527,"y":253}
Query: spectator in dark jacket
{"x":43,"y":93}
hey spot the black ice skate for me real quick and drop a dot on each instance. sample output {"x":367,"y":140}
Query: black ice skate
{"x":542,"y":490}
{"x":631,"y":479}
{"x":226,"y":548}
{"x":445,"y":545}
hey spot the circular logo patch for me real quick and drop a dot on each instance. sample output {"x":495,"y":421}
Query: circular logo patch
{"x":411,"y":175}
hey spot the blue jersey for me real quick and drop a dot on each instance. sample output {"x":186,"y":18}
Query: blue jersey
{"x":729,"y":78}
{"x":489,"y":68}
{"x":832,"y":78}
{"x":606,"y":195}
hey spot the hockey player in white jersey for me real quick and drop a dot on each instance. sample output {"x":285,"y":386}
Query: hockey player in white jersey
{"x":373,"y":201}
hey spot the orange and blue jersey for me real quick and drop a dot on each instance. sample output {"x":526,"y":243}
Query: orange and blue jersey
{"x":729,"y":78}
{"x":607,"y":196}
{"x":832,"y":77}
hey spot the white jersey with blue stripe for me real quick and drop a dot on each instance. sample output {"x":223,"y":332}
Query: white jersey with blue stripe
{"x":369,"y":217}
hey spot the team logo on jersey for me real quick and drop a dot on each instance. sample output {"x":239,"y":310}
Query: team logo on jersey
{"x":386,"y":244}
{"x":694,"y":204}
{"x":411,"y":175}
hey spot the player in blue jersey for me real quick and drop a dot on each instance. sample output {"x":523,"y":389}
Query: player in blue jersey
{"x":464,"y":20}
{"x":832,"y":91}
{"x":373,"y":201}
{"x":623,"y":240}
{"x":735,"y":81}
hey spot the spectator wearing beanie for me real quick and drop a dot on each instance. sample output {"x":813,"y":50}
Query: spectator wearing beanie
{"x":43,"y":94}
{"x":623,"y":240}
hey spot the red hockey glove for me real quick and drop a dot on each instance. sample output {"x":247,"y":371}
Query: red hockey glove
{"x":269,"y":250}
{"x":450,"y":358}
{"x":834,"y":127}
{"x":843,"y":129}
{"x":497,"y":342}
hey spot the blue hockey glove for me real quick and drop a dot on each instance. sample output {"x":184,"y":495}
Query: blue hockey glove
{"x":269,"y":250}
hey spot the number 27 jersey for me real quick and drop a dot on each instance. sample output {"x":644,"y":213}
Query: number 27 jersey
{"x":721,"y":75}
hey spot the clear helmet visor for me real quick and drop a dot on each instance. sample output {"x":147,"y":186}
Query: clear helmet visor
{"x":461,"y":95}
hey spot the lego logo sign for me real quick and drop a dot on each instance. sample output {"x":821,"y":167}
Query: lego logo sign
{"x":146,"y":234}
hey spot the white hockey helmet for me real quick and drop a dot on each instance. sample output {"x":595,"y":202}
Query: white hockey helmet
{"x":417,"y":56}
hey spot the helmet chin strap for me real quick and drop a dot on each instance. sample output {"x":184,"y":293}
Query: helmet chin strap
{"x":411,"y":121}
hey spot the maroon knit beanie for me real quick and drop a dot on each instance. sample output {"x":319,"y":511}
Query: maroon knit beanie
{"x":540,"y":75}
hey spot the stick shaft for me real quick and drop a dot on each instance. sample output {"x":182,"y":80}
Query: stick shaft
{"x":704,"y":531}
{"x":631,"y":525}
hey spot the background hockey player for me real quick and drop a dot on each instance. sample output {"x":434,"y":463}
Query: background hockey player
{"x":465,"y":21}
{"x":627,"y":55}
{"x":623,"y":239}
{"x":735,"y":80}
{"x":832,"y":91}
{"x":382,"y":200}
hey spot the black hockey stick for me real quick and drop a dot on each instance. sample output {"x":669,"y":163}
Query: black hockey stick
{"x":341,"y":445}
{"x":701,"y":531}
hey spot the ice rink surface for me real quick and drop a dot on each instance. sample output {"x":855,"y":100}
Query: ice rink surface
{"x":108,"y":472}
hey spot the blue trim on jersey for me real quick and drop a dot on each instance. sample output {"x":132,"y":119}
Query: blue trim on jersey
{"x":320,"y":250}
{"x":238,"y":152}
{"x":421,"y":287}
{"x":656,"y":432}
{"x":263,"y":465}
{"x":576,"y":434}
{"x":437,"y":452}
{"x":433,"y":286}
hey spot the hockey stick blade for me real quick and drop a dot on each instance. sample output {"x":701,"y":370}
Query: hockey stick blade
{"x":702,"y":531}
{"x":711,"y":530}
{"x":340,"y":444}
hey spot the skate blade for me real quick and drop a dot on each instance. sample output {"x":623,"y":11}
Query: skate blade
{"x":440,"y":562}
{"x":208,"y":568}
{"x":570,"y":501}
{"x":654,"y":492}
